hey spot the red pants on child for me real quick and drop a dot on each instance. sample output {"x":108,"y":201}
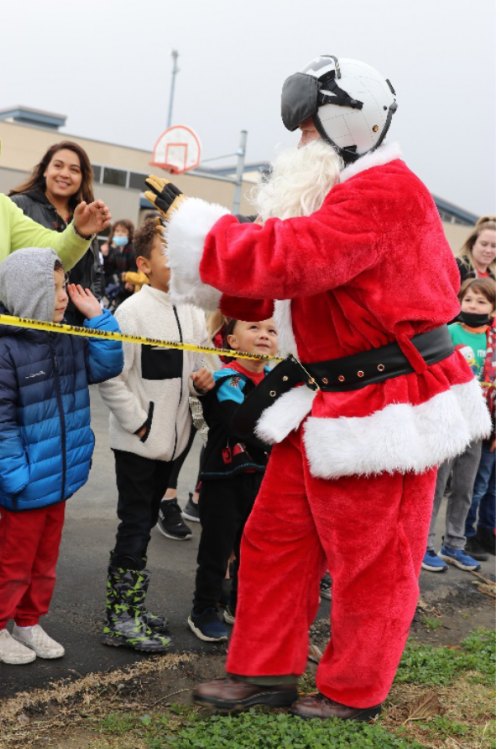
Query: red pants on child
{"x":29,"y":549}
{"x":371,"y":534}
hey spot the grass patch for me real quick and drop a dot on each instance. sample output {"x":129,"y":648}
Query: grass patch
{"x":248,"y":730}
{"x":431,"y":623}
{"x":430,"y":665}
{"x":119,"y":723}
{"x":280,"y":731}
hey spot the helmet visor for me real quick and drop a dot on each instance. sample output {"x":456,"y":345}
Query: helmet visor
{"x":299,"y":99}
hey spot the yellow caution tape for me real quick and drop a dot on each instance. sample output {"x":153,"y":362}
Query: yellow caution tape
{"x":57,"y":327}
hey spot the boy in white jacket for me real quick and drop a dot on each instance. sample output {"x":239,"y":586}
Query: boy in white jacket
{"x":150,"y":424}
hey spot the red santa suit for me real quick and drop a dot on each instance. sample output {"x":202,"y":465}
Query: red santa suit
{"x":351,"y":478}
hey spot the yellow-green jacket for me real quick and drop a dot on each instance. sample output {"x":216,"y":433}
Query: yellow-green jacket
{"x":17,"y":231}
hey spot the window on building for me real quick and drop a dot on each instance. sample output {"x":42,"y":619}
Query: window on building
{"x":136,"y":181}
{"x":114,"y":177}
{"x":97,"y":170}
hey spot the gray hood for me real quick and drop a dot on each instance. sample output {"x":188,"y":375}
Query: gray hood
{"x":27,"y":283}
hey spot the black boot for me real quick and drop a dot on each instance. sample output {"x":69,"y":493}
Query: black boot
{"x":157,"y":623}
{"x":474,"y":549}
{"x":487,"y":538}
{"x":125,"y":624}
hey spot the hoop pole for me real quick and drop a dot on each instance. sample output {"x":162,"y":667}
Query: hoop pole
{"x":175,"y":70}
{"x":240,"y":164}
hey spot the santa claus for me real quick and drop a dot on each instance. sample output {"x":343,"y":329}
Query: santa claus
{"x":349,"y":242}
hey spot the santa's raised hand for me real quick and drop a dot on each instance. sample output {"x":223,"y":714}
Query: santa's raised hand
{"x":164,"y":195}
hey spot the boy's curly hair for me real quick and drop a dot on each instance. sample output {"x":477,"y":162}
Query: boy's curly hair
{"x":145,"y":235}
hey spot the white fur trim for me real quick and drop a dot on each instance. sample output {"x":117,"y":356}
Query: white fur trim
{"x":400,"y":437}
{"x":185,"y":235}
{"x":382,"y":155}
{"x":283,"y":318}
{"x":277,"y":421}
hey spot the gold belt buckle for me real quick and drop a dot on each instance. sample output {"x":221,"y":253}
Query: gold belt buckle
{"x":309,"y":381}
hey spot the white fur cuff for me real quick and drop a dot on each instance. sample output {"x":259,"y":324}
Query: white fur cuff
{"x":285,"y":415}
{"x":185,"y":235}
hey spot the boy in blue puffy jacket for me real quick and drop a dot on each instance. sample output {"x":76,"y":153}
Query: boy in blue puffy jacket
{"x":46,"y":442}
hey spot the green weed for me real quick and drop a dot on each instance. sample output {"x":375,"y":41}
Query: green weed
{"x":431,"y":623}
{"x":119,"y":723}
{"x":426,"y":664}
{"x":280,"y":731}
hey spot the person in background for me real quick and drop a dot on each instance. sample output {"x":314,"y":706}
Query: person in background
{"x":480,"y":526}
{"x":57,"y":184}
{"x":119,"y":258}
{"x":476,"y":258}
{"x":150,"y":425}
{"x":231,"y":474}
{"x":46,"y":442}
{"x":469,"y":335}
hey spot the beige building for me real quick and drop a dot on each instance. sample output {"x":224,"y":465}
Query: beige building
{"x":119,"y":171}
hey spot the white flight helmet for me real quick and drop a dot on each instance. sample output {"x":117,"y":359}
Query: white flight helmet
{"x":350,"y":103}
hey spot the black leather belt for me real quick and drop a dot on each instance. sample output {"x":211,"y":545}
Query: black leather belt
{"x":377,"y":365}
{"x":337,"y":375}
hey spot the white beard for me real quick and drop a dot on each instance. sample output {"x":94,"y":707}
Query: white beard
{"x":300,"y":180}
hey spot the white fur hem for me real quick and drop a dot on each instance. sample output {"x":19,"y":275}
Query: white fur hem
{"x":277,"y":421}
{"x":185,"y":235}
{"x":399,"y":438}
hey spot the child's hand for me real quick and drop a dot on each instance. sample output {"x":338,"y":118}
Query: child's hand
{"x":84,"y":300}
{"x":203,"y":380}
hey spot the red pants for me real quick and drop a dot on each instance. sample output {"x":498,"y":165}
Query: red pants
{"x":371,"y":533}
{"x":29,"y":548}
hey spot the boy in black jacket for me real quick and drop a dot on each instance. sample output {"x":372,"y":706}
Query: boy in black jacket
{"x":231,"y":474}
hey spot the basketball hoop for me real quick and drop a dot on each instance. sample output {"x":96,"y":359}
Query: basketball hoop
{"x":177,"y":150}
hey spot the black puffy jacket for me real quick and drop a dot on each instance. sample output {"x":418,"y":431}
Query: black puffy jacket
{"x":88,"y":271}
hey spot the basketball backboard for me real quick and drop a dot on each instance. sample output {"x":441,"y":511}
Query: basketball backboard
{"x":177,"y":150}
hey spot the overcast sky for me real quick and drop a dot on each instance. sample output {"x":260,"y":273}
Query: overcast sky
{"x":107,"y":65}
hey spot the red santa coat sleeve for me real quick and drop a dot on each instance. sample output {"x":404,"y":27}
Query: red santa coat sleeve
{"x":299,"y":256}
{"x":211,"y":252}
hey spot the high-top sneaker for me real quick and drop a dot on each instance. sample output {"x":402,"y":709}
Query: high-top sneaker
{"x":170,"y":522}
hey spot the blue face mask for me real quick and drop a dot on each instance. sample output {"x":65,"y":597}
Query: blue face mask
{"x":119,"y":241}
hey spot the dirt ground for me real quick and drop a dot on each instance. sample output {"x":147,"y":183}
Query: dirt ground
{"x":65,"y":715}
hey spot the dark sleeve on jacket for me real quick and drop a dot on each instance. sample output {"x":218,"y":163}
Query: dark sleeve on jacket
{"x":220,"y":409}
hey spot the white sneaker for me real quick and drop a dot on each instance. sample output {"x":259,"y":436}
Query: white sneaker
{"x":12,"y":651}
{"x":38,"y":640}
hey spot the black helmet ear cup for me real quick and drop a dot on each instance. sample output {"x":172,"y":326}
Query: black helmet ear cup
{"x":299,"y":100}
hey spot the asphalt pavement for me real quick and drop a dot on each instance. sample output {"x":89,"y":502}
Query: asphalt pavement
{"x":76,"y":615}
